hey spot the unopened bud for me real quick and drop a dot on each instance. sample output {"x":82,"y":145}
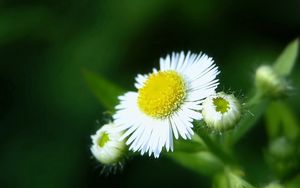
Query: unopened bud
{"x":107,"y":147}
{"x":221,"y":111}
{"x":274,"y":185}
{"x":269,"y":82}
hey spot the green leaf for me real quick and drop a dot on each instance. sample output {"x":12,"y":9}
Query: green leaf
{"x":272,"y":119}
{"x":220,"y":181}
{"x":287,"y":59}
{"x":280,"y":119}
{"x":237,"y":182}
{"x":106,"y":92}
{"x":228,"y":179}
{"x":203,"y":162}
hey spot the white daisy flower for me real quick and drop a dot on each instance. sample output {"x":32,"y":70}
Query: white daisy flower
{"x":166,"y":103}
{"x":107,"y":147}
{"x":221,"y":111}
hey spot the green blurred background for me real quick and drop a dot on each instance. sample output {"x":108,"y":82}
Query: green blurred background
{"x":47,"y":112}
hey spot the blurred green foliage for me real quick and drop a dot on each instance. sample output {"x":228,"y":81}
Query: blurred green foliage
{"x":48,"y":112}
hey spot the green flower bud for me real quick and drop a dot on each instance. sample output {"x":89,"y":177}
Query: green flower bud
{"x":274,"y":185}
{"x":282,"y":148}
{"x":107,"y":147}
{"x":221,"y":111}
{"x":283,"y":156}
{"x":269,"y":82}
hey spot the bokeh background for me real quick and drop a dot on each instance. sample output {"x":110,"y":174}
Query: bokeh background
{"x":47,"y":112}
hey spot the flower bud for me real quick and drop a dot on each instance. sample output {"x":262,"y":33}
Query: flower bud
{"x":283,"y":156}
{"x":269,"y":82}
{"x":221,"y":111}
{"x":106,"y":145}
{"x":274,"y":185}
{"x":282,"y":148}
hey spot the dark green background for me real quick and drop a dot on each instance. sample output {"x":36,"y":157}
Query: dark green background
{"x":47,"y":112}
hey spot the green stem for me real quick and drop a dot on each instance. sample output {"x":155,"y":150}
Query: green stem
{"x":254,"y":100}
{"x":216,"y":148}
{"x":255,"y":108}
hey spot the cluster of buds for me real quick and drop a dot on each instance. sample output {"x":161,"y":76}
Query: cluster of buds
{"x":220,"y":112}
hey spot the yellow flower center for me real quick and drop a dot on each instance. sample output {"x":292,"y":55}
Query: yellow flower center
{"x":103,"y":139}
{"x":221,"y":104}
{"x":162,"y":94}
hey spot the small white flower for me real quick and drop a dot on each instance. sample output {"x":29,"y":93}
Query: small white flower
{"x":166,"y":103}
{"x":107,"y":147}
{"x":221,"y":111}
{"x":270,"y":82}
